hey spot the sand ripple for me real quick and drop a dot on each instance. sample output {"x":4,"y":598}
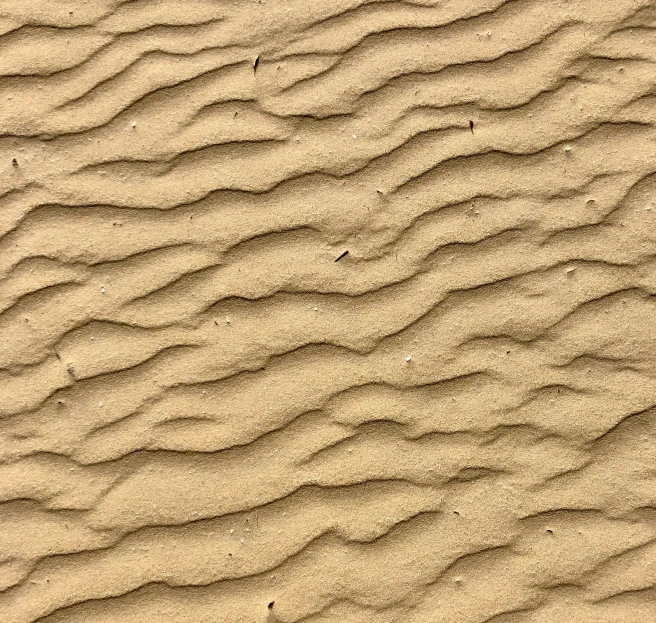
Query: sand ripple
{"x":330,"y":311}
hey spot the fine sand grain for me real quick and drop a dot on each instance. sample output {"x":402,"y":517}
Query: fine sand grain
{"x":332,"y":311}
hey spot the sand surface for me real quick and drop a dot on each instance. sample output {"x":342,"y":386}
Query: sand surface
{"x":332,"y":311}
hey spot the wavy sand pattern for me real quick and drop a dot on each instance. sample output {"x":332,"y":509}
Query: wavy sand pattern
{"x":207,"y":418}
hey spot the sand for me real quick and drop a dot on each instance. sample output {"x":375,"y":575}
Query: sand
{"x":328,"y":311}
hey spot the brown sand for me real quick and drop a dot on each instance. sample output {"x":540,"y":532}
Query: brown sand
{"x":207,"y":418}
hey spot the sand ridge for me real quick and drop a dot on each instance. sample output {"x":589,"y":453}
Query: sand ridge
{"x":327,"y":311}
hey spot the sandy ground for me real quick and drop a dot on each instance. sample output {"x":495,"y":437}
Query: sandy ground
{"x":328,"y":311}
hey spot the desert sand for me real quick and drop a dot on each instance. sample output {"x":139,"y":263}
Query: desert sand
{"x":332,"y":311}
